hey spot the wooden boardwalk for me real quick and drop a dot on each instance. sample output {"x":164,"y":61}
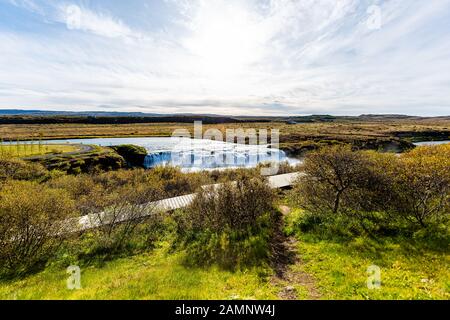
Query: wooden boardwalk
{"x":92,"y":221}
{"x":283,"y":180}
{"x":275,"y":182}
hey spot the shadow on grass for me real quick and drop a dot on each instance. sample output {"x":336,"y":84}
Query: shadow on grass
{"x":370,"y":236}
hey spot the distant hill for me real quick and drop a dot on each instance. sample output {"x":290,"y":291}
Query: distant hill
{"x":17,"y":116}
{"x":18,"y":112}
{"x":381,"y":117}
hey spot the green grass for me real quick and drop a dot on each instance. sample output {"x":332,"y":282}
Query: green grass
{"x":408,"y":270}
{"x":156,"y":275}
{"x":29,"y":150}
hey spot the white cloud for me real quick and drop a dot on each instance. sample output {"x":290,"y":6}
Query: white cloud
{"x":29,"y":5}
{"x":239,"y":57}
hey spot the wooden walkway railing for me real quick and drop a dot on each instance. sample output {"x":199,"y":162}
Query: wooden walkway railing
{"x":92,"y":221}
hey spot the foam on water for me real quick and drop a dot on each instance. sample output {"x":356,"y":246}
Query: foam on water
{"x":193,"y":154}
{"x":208,"y":154}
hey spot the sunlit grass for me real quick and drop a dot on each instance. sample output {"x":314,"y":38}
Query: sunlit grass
{"x":341,"y":271}
{"x":156,"y":275}
{"x":29,"y":150}
{"x":408,"y":269}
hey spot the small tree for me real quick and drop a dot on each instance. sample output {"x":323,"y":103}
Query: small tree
{"x":421,"y":184}
{"x":115,"y":215}
{"x":331,"y":175}
{"x":31,"y":225}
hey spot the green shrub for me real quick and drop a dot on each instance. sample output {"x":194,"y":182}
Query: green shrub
{"x":230,"y":225}
{"x":332,"y":181}
{"x":15,"y":169}
{"x":421,"y":185}
{"x":31,"y":225}
{"x":377,"y":190}
{"x":176,"y":182}
{"x":232,"y":249}
{"x":119,"y":213}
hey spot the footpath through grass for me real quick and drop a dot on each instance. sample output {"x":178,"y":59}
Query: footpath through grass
{"x":409,"y":268}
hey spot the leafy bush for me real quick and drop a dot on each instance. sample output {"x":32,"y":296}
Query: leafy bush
{"x":230,"y":225}
{"x":119,"y":201}
{"x":421,"y":185}
{"x":176,"y":182}
{"x":118,"y":214}
{"x":31,"y":225}
{"x":377,"y":188}
{"x":15,"y":169}
{"x":83,"y":189}
{"x":332,"y":176}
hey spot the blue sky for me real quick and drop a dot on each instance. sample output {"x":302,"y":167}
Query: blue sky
{"x":267,"y":57}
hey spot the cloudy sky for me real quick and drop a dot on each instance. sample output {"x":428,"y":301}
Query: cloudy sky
{"x":265,"y":57}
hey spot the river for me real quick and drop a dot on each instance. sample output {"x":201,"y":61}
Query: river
{"x":431,"y":143}
{"x":198,"y":154}
{"x":193,"y":154}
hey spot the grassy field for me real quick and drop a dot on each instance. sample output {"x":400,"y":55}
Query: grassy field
{"x":322,"y":129}
{"x":331,"y":252}
{"x":406,"y":273}
{"x":29,"y":150}
{"x":410,"y":269}
{"x":338,"y":270}
{"x":156,"y":275}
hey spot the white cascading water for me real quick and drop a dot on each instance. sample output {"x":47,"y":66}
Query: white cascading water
{"x":192,"y":154}
{"x":209,"y":154}
{"x":205,"y":159}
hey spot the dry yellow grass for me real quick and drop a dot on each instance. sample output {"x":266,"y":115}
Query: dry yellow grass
{"x":331,"y":129}
{"x":29,"y":150}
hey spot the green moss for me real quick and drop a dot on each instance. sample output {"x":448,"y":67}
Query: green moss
{"x":133,"y":155}
{"x":100,"y":158}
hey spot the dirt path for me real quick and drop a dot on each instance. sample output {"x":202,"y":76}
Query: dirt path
{"x":287,"y":272}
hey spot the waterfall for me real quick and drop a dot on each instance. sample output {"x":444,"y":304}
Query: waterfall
{"x":227,"y":156}
{"x":156,"y":159}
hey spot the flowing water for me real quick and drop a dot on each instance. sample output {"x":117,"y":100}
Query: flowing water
{"x":431,"y":143}
{"x":197,"y":154}
{"x":193,"y":154}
